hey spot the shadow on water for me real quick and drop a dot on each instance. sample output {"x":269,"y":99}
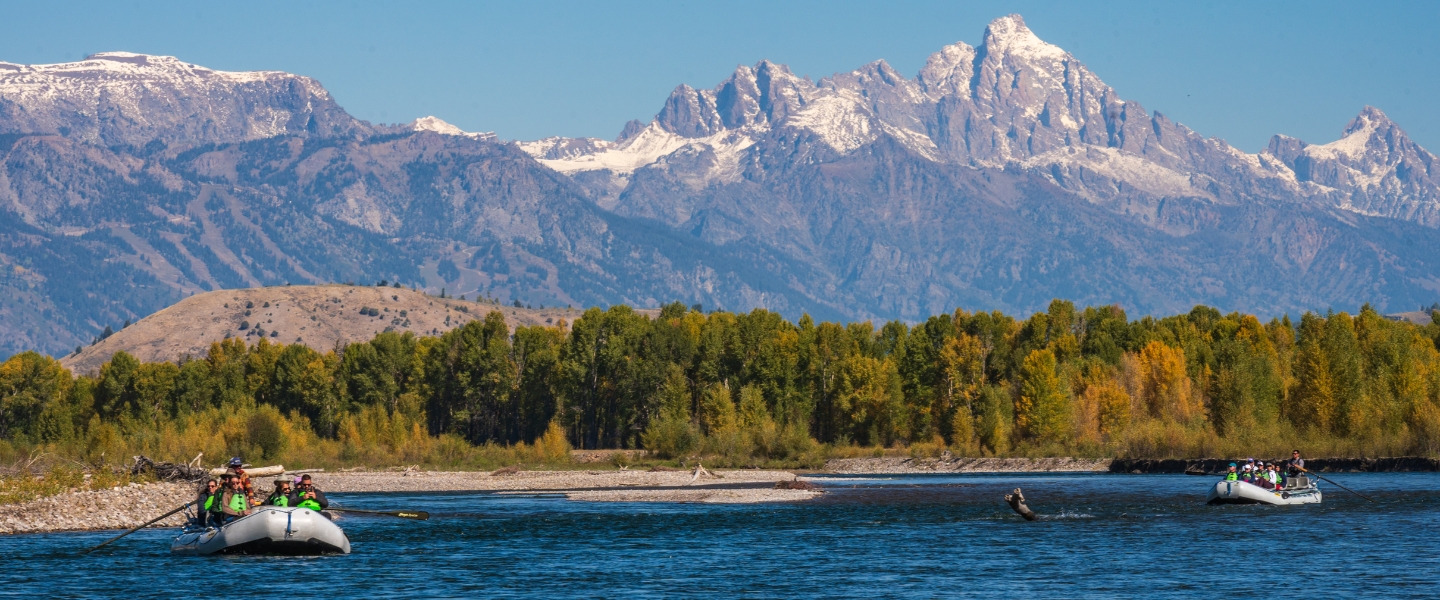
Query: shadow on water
{"x":891,"y":535}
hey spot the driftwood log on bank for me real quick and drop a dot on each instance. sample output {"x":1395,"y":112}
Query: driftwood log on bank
{"x":1017,"y":503}
{"x":255,"y":472}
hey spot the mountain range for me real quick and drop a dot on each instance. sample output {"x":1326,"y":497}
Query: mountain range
{"x":1001,"y":176}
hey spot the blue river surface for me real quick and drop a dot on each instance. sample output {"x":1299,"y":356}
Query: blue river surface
{"x":1100,"y":535}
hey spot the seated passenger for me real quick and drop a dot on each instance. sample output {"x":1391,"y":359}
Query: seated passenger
{"x":1231,"y":475}
{"x":281,"y":495}
{"x":234,"y":502}
{"x":306,"y":495}
{"x":236,"y":468}
{"x":207,"y":504}
{"x":1262,"y":476}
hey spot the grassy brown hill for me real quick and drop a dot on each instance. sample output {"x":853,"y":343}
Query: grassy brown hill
{"x":318,"y":316}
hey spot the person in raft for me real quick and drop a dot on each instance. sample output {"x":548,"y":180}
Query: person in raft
{"x":234,"y":503}
{"x":207,"y":504}
{"x":281,"y":495}
{"x":1231,"y":475}
{"x":306,"y":495}
{"x":236,"y":469}
{"x":1295,"y":464}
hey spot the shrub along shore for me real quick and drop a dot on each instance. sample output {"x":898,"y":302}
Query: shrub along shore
{"x":754,"y":389}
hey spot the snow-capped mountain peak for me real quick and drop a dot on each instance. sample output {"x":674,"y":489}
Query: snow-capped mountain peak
{"x":126,"y":98}
{"x":1008,"y":36}
{"x":441,"y":127}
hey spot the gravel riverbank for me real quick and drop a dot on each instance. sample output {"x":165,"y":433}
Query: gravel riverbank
{"x":129,"y":506}
{"x":897,"y":465}
{"x":115,"y":508}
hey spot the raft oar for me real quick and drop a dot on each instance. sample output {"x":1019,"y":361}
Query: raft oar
{"x":146,"y":524}
{"x":1322,"y":478}
{"x":418,"y":515}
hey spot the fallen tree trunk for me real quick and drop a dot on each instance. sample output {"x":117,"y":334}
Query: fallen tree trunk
{"x":257,"y":472}
{"x":1017,"y":503}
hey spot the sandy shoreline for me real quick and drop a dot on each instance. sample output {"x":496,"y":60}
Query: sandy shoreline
{"x":129,"y":506}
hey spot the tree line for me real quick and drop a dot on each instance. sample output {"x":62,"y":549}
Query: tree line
{"x":1063,"y":381}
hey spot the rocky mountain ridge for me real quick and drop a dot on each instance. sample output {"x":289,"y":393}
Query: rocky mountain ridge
{"x":1002,"y":176}
{"x":128,"y":99}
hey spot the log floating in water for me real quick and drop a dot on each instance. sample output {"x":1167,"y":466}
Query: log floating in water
{"x":1017,"y":502}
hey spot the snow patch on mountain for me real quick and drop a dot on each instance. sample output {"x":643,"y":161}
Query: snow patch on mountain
{"x":840,"y":120}
{"x":1113,"y":164}
{"x":644,"y":149}
{"x":121,"y":65}
{"x":1352,"y":145}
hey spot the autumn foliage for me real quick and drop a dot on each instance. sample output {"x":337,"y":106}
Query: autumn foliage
{"x":754,"y":388}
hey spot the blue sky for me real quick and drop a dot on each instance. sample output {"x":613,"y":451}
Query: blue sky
{"x":1239,"y":71}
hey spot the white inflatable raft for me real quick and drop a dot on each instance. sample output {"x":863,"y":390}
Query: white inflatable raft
{"x":1297,"y":490}
{"x":267,"y":530}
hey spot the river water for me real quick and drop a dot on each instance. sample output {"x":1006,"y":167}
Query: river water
{"x":888,"y":536}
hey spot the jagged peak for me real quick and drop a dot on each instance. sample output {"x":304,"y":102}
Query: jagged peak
{"x":1369,"y":119}
{"x":878,"y":67}
{"x":771,"y":68}
{"x":682,"y":91}
{"x":632,"y":129}
{"x":949,"y":70}
{"x":1009,"y":36}
{"x":1355,"y":141}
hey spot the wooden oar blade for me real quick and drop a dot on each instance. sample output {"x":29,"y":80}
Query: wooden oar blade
{"x":135,"y":529}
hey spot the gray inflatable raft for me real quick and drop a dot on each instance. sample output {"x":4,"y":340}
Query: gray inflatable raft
{"x":1298,"y":490}
{"x":267,"y":530}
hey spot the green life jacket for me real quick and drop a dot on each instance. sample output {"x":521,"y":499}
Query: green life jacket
{"x":310,"y":504}
{"x":209,"y":502}
{"x":238,"y":503}
{"x":1231,"y":476}
{"x":279,"y":500}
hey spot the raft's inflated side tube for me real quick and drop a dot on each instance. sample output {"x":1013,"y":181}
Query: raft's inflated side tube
{"x":268,"y":530}
{"x":1240,"y":492}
